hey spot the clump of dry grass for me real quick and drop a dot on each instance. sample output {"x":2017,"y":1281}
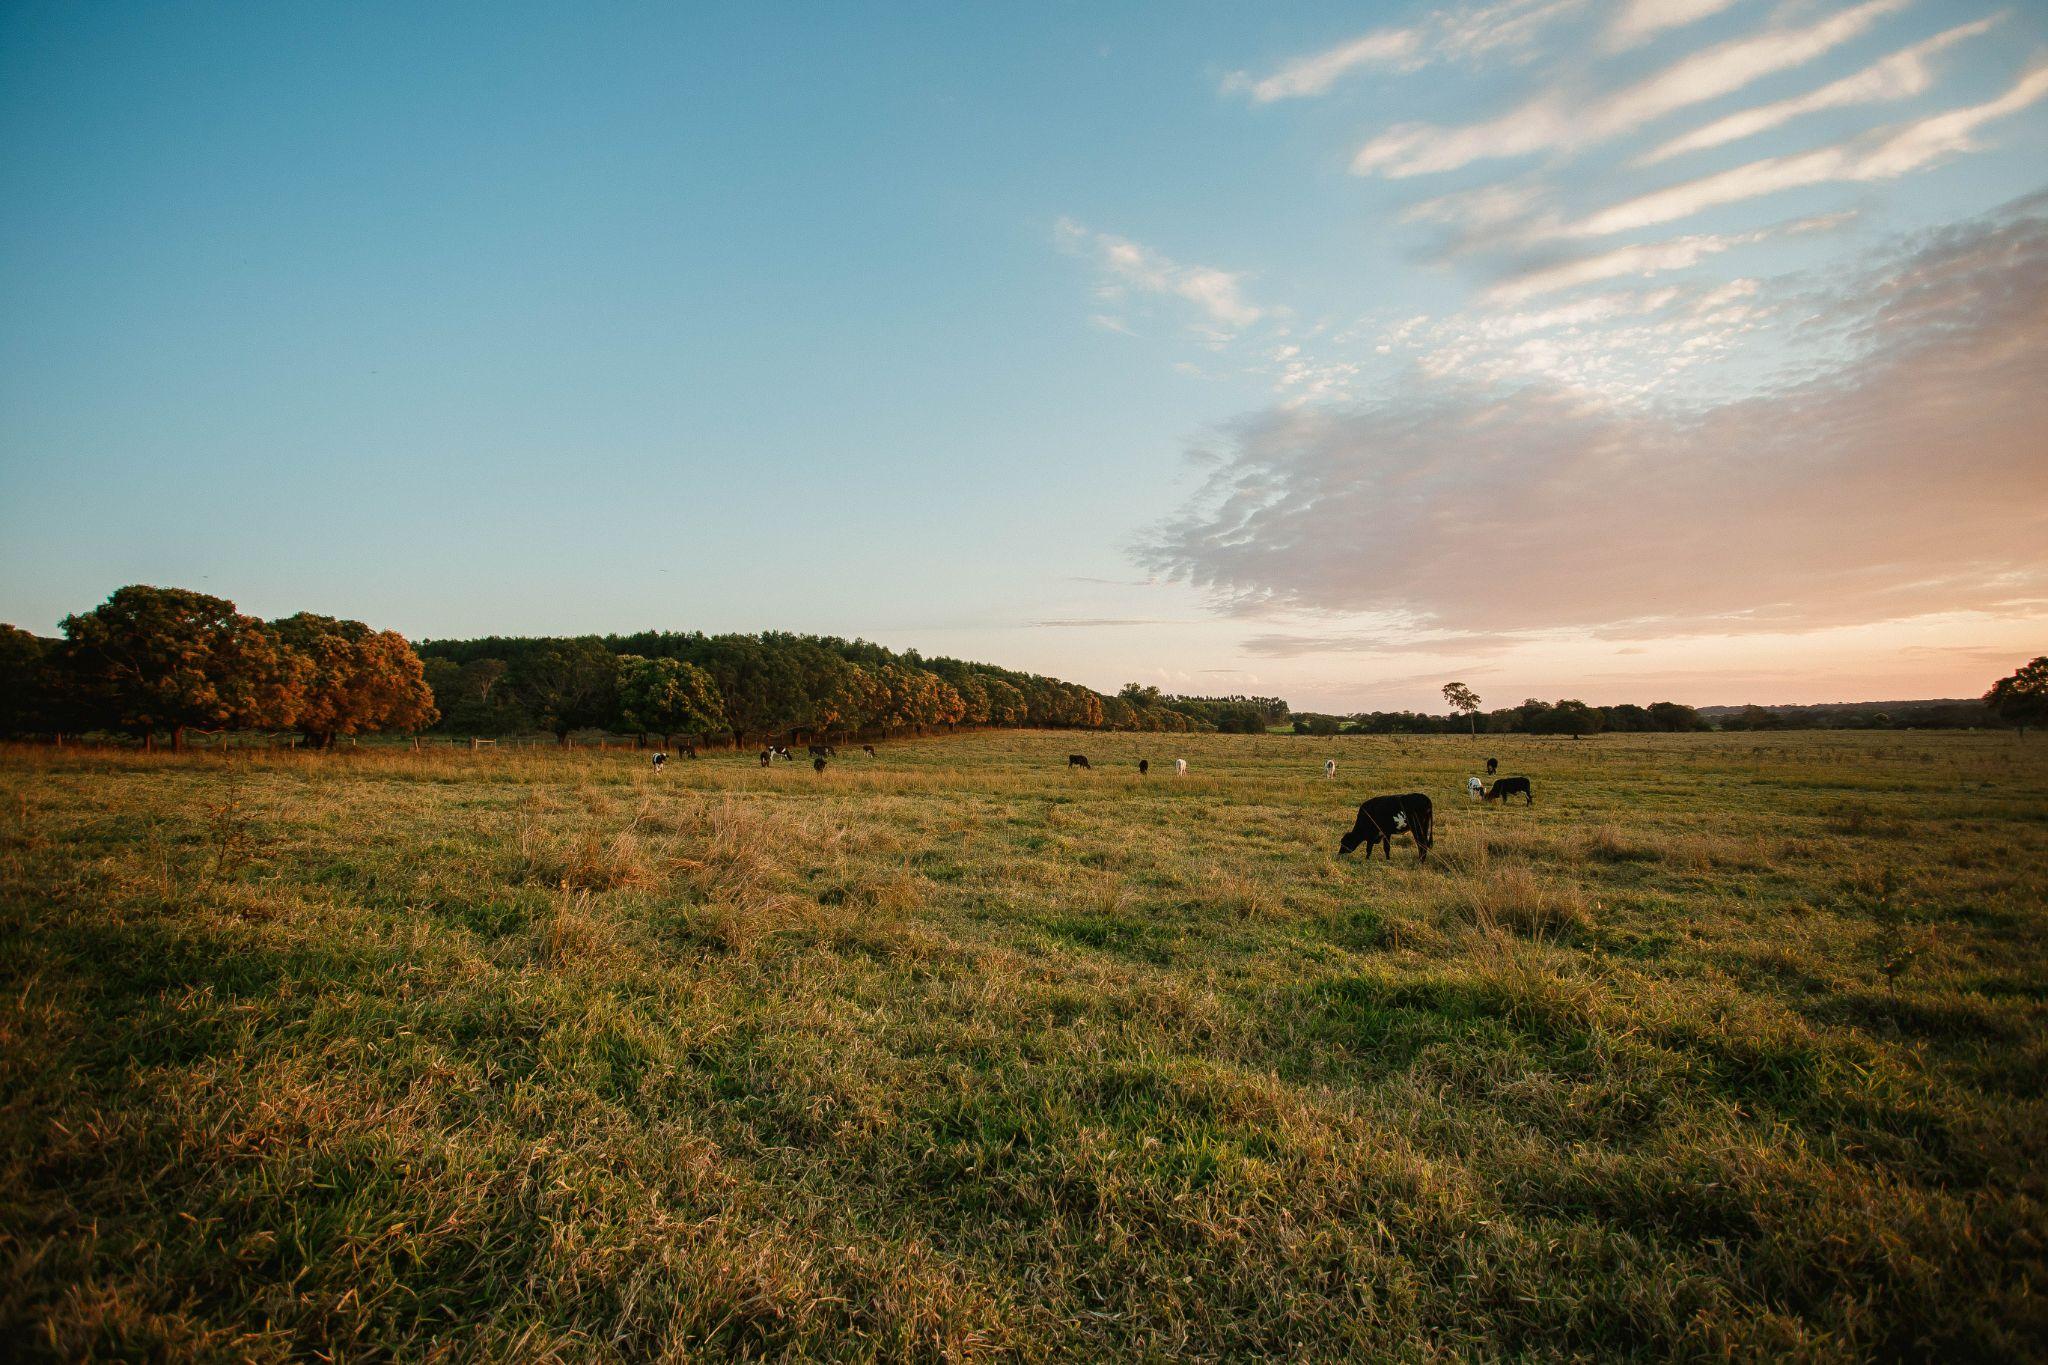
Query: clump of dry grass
{"x":570,"y":931}
{"x":1511,"y":896}
{"x":590,"y":859}
{"x":1607,"y":844}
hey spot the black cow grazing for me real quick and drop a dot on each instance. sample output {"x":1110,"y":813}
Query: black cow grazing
{"x":822,"y":751}
{"x":1077,"y":760}
{"x":1381,"y":818}
{"x":766,"y":758}
{"x":868,"y":749}
{"x":689,"y":751}
{"x":1492,"y":766}
{"x":1144,"y":766}
{"x":659,"y":759}
{"x":818,"y":765}
{"x":1510,"y":786}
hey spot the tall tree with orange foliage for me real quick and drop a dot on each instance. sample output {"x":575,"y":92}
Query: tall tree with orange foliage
{"x":357,"y":681}
{"x":150,"y":659}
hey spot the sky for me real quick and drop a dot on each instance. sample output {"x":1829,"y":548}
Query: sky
{"x":1627,"y":350}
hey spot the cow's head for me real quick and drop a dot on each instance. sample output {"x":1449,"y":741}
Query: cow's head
{"x":1352,"y":839}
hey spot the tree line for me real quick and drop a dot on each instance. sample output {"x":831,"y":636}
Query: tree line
{"x":167,"y":661}
{"x":151,"y":662}
{"x":774,"y":685}
{"x":1532,"y":717}
{"x":164,"y":661}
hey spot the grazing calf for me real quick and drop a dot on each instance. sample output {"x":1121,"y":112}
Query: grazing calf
{"x":1381,"y":818}
{"x":1180,"y":767}
{"x":1144,"y":766}
{"x":1474,"y":787}
{"x":1510,"y":786}
{"x":1077,"y":760}
{"x":1329,"y":767}
{"x":822,"y":751}
{"x":780,"y":751}
{"x":818,"y":765}
{"x":868,"y":749}
{"x":1492,"y":766}
{"x":767,"y":757}
{"x":659,"y":759}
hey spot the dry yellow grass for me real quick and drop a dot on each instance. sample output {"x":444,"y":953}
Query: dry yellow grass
{"x":1733,"y":1045}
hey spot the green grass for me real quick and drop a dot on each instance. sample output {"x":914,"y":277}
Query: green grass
{"x":1733,"y":1045}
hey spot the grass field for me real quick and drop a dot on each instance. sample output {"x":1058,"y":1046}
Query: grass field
{"x":1732,"y":1046}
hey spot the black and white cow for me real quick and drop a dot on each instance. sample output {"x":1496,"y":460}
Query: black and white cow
{"x":1492,"y":766}
{"x":1382,"y":817}
{"x":868,"y":749}
{"x":822,"y":751}
{"x":818,"y":764}
{"x":660,"y":759}
{"x":1510,"y":786}
{"x":767,"y":757}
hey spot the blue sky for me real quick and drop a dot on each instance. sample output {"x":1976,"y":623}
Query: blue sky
{"x":1327,"y":350}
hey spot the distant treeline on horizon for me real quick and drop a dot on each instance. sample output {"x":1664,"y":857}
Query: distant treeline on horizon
{"x":1568,"y":717}
{"x":152,"y":661}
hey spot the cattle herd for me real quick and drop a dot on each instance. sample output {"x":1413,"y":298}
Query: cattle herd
{"x":1380,"y":818}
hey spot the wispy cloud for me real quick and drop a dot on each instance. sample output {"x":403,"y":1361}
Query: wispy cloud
{"x":1638,"y":21}
{"x":1556,"y":119}
{"x":1127,"y":265}
{"x":1095,"y":622}
{"x":1457,"y":33}
{"x":1390,"y":48}
{"x":1882,"y":155}
{"x":1407,"y":640}
{"x":1785,"y":511}
{"x":1637,"y":261}
{"x":1900,"y":76}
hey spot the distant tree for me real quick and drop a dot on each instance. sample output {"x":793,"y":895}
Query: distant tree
{"x":668,"y":697}
{"x":1139,"y":694}
{"x":1464,"y":701}
{"x":357,"y":681}
{"x":567,"y":684}
{"x":24,"y":681}
{"x":1669,"y":715}
{"x":2022,"y":698}
{"x":150,"y":659}
{"x":1572,"y":717}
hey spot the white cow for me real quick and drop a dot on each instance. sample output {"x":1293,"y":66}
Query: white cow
{"x":1329,"y":767}
{"x":1180,"y":767}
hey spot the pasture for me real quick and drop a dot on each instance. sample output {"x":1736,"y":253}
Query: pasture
{"x":1730,"y":1046}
